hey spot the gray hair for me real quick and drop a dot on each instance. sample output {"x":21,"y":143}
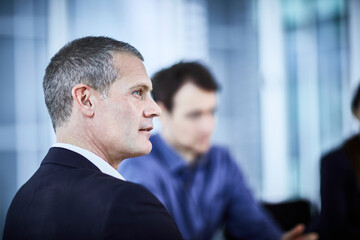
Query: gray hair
{"x":88,"y":60}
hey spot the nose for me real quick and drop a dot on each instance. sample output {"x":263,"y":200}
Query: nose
{"x":207,"y":124}
{"x":152,"y":110}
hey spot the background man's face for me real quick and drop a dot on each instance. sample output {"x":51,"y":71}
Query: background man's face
{"x":124,"y":118}
{"x":192,"y":120}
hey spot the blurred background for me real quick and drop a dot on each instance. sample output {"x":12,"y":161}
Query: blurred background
{"x":288,"y":69}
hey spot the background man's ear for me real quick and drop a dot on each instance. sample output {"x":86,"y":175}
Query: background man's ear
{"x":357,"y":114}
{"x":83,"y":99}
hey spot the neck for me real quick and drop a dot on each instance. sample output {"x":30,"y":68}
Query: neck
{"x":186,"y":153}
{"x":72,"y":136}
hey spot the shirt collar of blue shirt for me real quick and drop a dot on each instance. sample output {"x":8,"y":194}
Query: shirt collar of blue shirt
{"x":172,"y":158}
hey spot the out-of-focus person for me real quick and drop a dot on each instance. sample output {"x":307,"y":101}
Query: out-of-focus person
{"x":340,"y":187}
{"x":200,"y":184}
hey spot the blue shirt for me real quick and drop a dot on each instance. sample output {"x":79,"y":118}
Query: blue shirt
{"x":201,"y":197}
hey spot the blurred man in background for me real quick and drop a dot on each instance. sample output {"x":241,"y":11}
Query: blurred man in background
{"x":98,"y":95}
{"x":340,"y":187}
{"x":201,"y":185}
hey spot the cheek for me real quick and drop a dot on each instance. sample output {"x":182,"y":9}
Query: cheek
{"x":212,"y":124}
{"x":185,"y":130}
{"x":125,"y":113}
{"x":116,"y":123}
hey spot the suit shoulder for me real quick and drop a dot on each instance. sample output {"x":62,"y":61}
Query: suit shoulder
{"x":136,"y":213}
{"x":336,"y":161}
{"x":133,"y":190}
{"x":333,"y":156}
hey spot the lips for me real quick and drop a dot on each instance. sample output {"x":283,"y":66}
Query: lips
{"x":146,"y":129}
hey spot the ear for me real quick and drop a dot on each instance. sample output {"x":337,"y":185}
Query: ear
{"x":84,"y":99}
{"x":357,"y":114}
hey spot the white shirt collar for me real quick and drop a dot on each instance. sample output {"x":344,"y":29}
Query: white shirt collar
{"x":92,"y":157}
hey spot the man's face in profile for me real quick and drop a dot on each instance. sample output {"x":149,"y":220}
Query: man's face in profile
{"x":124,"y":117}
{"x":191,"y":121}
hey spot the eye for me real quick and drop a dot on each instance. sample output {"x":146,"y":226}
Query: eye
{"x":137,"y":92}
{"x":194,"y":115}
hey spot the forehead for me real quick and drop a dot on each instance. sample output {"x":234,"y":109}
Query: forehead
{"x":190,"y":97}
{"x":131,"y":70}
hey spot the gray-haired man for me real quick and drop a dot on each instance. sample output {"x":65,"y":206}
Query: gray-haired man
{"x":98,"y":95}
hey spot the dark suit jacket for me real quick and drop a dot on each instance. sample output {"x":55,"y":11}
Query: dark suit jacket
{"x":70,"y":198}
{"x":340,"y":195}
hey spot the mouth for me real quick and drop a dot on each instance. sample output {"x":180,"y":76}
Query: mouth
{"x":146,"y":129}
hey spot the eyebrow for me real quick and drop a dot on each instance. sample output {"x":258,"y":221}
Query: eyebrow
{"x":144,"y":86}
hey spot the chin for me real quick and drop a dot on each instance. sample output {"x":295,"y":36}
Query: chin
{"x":203,"y":149}
{"x":199,"y":151}
{"x":144,"y":149}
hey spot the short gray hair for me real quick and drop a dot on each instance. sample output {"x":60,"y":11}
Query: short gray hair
{"x":88,"y":60}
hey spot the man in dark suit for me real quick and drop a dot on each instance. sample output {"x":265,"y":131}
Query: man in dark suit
{"x":340,"y":187}
{"x":97,"y":93}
